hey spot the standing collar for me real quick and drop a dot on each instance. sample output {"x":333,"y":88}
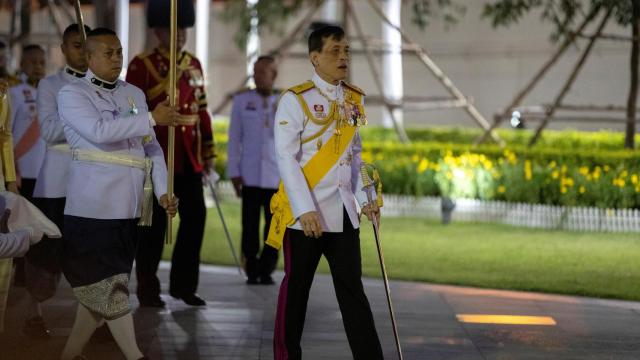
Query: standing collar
{"x":103,"y":84}
{"x":74,"y":72}
{"x":332,"y":91}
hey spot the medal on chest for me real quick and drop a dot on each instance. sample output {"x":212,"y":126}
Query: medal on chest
{"x":355,"y":114}
{"x":133,"y":109}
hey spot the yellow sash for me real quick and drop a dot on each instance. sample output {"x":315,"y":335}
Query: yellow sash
{"x":317,"y":167}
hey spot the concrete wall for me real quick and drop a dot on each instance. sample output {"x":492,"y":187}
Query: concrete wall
{"x":486,"y":64}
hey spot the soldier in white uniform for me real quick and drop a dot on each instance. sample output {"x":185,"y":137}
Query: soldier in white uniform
{"x":316,"y":209}
{"x":252,"y":166}
{"x":28,"y":147}
{"x":21,"y":225}
{"x":117,"y":166}
{"x":42,"y":273}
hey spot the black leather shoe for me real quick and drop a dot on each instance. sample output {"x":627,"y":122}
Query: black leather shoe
{"x":191,"y":299}
{"x":266,"y":280}
{"x":251,"y":280}
{"x":36,"y":328}
{"x":156,"y":302}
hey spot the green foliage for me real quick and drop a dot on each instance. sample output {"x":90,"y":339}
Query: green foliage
{"x":563,"y":14}
{"x":556,"y":177}
{"x":565,"y":139}
{"x":566,"y":168}
{"x":271,"y":15}
{"x":449,"y":10}
{"x":274,"y":14}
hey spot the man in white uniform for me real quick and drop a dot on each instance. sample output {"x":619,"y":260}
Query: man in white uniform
{"x":252,"y":167}
{"x":117,"y":166}
{"x":21,"y":225}
{"x":28,"y":147}
{"x":316,"y":209}
{"x":42,"y":273}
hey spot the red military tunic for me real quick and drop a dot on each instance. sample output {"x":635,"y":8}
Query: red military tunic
{"x":194,"y":138}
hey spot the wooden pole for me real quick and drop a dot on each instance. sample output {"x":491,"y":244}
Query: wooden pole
{"x":172,"y":102}
{"x":80,"y":21}
{"x":54,"y":18}
{"x":571,"y":37}
{"x":567,"y":85}
{"x":611,"y":37}
{"x":64,"y":7}
{"x":374,"y":70}
{"x":439,"y":74}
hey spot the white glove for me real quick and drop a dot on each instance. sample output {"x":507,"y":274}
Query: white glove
{"x":213,"y":176}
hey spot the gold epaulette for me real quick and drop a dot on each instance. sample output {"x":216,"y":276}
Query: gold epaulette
{"x":299,"y":89}
{"x":354,"y":88}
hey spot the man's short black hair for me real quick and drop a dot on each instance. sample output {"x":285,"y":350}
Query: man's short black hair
{"x":101,"y":31}
{"x":97,"y":32}
{"x":74,"y":29}
{"x":317,"y":37}
{"x":27,"y":48}
{"x":267,"y":58}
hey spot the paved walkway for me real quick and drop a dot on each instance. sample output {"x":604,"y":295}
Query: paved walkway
{"x":238,"y":324}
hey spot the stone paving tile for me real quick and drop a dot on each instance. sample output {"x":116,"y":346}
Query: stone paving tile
{"x":237,"y":324}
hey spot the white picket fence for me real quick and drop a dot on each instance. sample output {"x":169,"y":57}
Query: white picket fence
{"x":516,"y":214}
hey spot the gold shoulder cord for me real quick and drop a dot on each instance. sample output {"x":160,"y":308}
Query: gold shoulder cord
{"x":325,"y":123}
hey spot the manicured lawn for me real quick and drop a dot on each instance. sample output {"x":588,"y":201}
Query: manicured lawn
{"x":483,"y":255}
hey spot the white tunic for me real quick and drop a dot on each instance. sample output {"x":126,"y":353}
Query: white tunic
{"x":23,"y":114}
{"x":96,"y":119}
{"x":342,"y":185}
{"x":52,"y":177}
{"x":251,"y":151}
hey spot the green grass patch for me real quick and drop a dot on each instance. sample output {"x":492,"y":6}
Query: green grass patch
{"x":482,"y":255}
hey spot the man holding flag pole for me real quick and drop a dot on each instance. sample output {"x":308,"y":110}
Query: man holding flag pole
{"x":189,"y":150}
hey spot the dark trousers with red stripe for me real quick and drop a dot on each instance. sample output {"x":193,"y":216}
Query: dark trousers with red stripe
{"x":302,"y":254}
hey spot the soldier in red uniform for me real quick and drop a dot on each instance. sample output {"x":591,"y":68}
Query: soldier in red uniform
{"x":194,"y":153}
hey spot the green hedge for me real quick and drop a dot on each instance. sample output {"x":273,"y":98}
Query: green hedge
{"x":567,"y":168}
{"x":565,"y":139}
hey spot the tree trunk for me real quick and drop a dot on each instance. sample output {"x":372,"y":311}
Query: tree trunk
{"x":629,"y":142}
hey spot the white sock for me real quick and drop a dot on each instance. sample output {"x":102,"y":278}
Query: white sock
{"x":122,"y":330}
{"x":83,"y":327}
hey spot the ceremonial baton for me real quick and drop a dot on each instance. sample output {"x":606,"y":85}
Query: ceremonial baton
{"x":369,"y":188}
{"x":172,"y":101}
{"x":211,"y":182}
